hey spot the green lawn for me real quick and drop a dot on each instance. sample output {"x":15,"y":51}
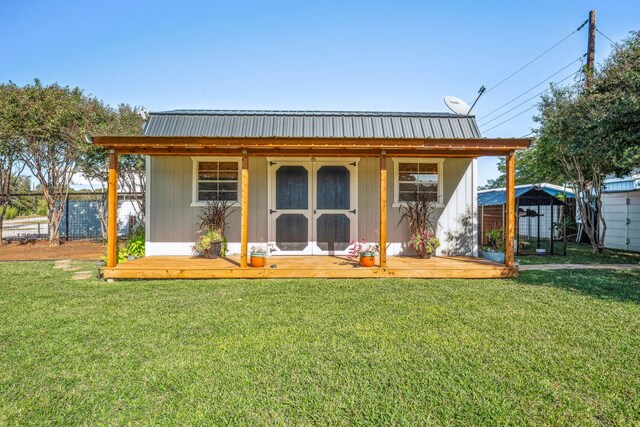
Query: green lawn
{"x":579,"y":253}
{"x":547,"y":348}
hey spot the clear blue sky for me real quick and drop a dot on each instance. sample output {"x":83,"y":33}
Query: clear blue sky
{"x":325,"y":55}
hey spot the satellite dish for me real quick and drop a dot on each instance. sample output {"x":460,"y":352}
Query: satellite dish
{"x":457,"y":105}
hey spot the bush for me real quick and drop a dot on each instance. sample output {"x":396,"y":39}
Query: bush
{"x":42,"y":209}
{"x":134,"y":247}
{"x":11,"y":212}
{"x":496,"y":239}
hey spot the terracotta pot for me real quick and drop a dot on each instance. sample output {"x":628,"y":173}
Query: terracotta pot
{"x":367,"y":260}
{"x":258,"y":260}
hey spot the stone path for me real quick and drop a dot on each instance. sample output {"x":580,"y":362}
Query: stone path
{"x":77,"y":273}
{"x":579,"y":267}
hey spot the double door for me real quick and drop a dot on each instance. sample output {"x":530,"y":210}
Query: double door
{"x":313,"y":206}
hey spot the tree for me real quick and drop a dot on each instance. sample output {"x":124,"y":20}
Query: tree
{"x":10,"y":170}
{"x":49,"y":123}
{"x":527,"y":171}
{"x":587,"y":134}
{"x":125,"y":120}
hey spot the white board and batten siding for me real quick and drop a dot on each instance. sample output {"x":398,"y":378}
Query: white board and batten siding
{"x":172,"y":223}
{"x":621,"y":212}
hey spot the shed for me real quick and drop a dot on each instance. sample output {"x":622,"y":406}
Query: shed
{"x":621,"y":210}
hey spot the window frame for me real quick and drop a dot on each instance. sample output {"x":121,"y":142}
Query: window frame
{"x":396,"y":177}
{"x":194,"y":182}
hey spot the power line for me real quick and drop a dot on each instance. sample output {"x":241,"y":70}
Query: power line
{"x":538,"y":57}
{"x":532,"y":88}
{"x":525,"y":101}
{"x":605,"y":36}
{"x":511,"y":118}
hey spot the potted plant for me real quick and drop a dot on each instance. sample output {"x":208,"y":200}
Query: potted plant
{"x":209,"y":244}
{"x":420,"y":217}
{"x":494,"y":251}
{"x":213,"y":217}
{"x":365,"y":252}
{"x":424,"y":243}
{"x":258,"y":256}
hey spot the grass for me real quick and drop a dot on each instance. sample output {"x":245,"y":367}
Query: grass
{"x":579,"y":253}
{"x":547,"y":348}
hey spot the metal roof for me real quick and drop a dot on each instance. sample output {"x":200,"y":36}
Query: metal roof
{"x":310,"y":124}
{"x":498,"y":196}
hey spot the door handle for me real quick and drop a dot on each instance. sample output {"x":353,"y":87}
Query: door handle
{"x":353,"y":211}
{"x":272,"y":211}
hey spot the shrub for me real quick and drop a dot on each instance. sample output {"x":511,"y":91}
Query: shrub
{"x":496,"y":239}
{"x":42,"y":209}
{"x":11,"y":212}
{"x":134,"y":247}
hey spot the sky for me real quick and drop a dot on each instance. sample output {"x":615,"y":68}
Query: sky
{"x":309,"y":55}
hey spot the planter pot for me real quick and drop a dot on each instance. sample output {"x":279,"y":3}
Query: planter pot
{"x":493,"y":256}
{"x":258,"y":260}
{"x":424,"y":255}
{"x":214,"y":251}
{"x":367,"y":260}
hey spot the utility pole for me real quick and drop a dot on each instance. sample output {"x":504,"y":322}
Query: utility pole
{"x":591,"y":49}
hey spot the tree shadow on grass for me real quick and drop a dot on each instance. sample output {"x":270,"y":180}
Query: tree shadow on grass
{"x":620,"y":285}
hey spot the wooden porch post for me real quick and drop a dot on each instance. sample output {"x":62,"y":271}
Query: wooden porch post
{"x":383,"y":210}
{"x":244,"y":212}
{"x":510,"y":215}
{"x":112,"y":210}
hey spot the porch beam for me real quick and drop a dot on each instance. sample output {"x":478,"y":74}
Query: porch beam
{"x":291,"y":142}
{"x":112,"y":211}
{"x":244,"y":213}
{"x":510,"y":214}
{"x":317,"y":152}
{"x":383,"y":211}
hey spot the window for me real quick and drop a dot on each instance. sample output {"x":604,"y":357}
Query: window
{"x":416,"y":179}
{"x":215,"y":179}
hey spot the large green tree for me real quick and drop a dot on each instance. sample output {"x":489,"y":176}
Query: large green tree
{"x":527,"y":171}
{"x":124,"y":120}
{"x":50,"y":124}
{"x":586,"y":134}
{"x":10,"y":169}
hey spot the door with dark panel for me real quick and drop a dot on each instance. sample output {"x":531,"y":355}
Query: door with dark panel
{"x":334,"y":211}
{"x":291,"y":208}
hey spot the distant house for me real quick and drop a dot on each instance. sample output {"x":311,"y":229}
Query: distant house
{"x":621,"y":210}
{"x":308,"y":183}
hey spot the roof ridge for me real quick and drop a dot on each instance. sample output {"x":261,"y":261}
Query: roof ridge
{"x":204,"y":112}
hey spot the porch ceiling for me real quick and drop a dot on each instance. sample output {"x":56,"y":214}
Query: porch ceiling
{"x":278,"y":146}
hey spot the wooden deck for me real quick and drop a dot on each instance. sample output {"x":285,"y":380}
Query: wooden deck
{"x":177,"y":267}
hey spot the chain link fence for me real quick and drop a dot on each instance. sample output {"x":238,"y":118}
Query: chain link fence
{"x":84,"y":217}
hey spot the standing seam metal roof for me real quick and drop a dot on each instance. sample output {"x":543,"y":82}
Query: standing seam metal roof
{"x":310,"y":124}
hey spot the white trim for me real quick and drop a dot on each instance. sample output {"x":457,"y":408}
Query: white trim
{"x":147,"y":202}
{"x":474,"y":206}
{"x":272,"y":217}
{"x":353,"y":203}
{"x":396,"y":184}
{"x":194,"y":178}
{"x":184,"y":248}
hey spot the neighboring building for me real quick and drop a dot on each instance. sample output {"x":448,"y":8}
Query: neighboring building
{"x":314,"y":179}
{"x":621,"y":210}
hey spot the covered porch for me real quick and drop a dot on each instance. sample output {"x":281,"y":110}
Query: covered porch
{"x":380,"y":153}
{"x":284,"y":267}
